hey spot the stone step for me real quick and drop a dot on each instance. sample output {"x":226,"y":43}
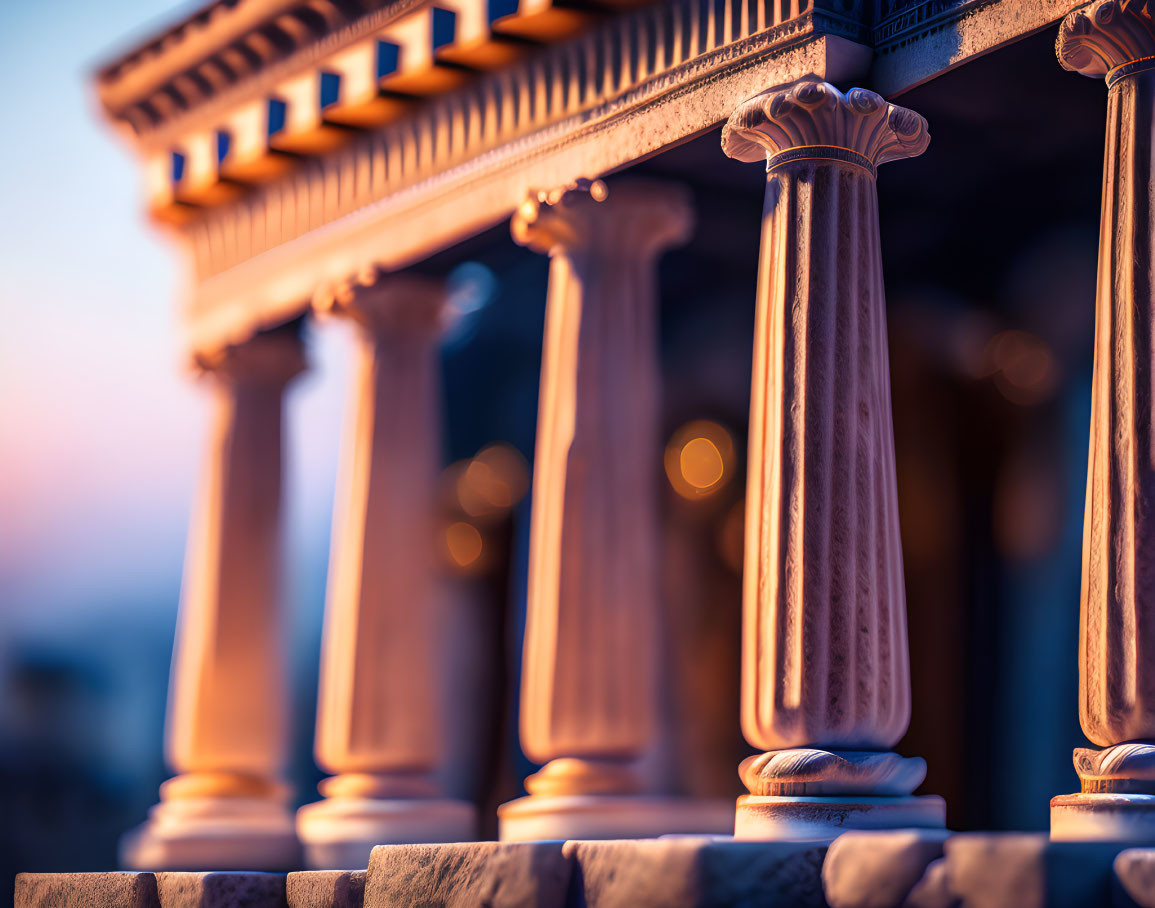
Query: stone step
{"x":878,"y":869}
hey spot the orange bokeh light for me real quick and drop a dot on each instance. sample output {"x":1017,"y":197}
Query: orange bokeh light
{"x":463,"y":540}
{"x":494,"y":481}
{"x":699,"y":459}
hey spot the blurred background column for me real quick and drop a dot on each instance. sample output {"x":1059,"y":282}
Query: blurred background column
{"x":226,"y":735}
{"x":826,"y":677}
{"x":1115,"y":39}
{"x":383,"y":657}
{"x":589,"y":679}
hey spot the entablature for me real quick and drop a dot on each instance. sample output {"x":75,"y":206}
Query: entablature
{"x":384,"y":132}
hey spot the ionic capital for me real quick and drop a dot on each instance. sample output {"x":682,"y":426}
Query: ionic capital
{"x":1106,"y":35}
{"x":634,"y":218}
{"x":815,"y":119}
{"x":268,"y":358}
{"x":386,"y":304}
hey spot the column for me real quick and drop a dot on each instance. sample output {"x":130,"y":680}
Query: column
{"x":588,"y":696}
{"x":825,"y":677}
{"x":226,"y":737}
{"x":1115,"y":39}
{"x":378,"y":725}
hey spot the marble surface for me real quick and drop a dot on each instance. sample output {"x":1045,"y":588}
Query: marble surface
{"x":527,"y":875}
{"x":648,"y":873}
{"x":326,"y":889}
{"x":221,"y":889}
{"x":900,"y":868}
{"x":86,"y":890}
{"x":878,"y":869}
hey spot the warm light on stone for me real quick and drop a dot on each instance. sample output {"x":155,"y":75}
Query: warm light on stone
{"x":378,"y":726}
{"x":1116,"y":39}
{"x":826,"y":687}
{"x":589,"y":681}
{"x":226,"y":722}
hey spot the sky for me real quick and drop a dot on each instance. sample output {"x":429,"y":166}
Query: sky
{"x":100,"y":422}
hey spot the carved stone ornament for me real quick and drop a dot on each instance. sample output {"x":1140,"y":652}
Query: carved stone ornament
{"x":808,"y":771}
{"x":1105,"y":37}
{"x":816,"y":119}
{"x":635,"y":218}
{"x":1126,"y":767}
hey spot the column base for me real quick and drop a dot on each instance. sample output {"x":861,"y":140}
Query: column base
{"x":770,"y":817}
{"x":1105,"y":817}
{"x":339,"y":833}
{"x":538,"y":818}
{"x":217,"y":833}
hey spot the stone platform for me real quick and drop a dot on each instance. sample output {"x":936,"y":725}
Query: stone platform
{"x":907,"y":868}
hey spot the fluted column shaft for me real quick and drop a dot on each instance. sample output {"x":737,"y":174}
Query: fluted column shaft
{"x":226,"y":722}
{"x":1115,"y":39}
{"x":825,"y":659}
{"x":825,"y":667}
{"x":590,"y":664}
{"x":228,"y":697}
{"x":589,"y":699}
{"x":378,"y":700}
{"x":825,"y":653}
{"x":382,"y":660}
{"x":1117,"y":631}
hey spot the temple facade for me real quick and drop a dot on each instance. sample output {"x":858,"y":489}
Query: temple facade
{"x":307,"y":156}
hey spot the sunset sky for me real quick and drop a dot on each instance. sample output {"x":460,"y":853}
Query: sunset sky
{"x":100,"y":426}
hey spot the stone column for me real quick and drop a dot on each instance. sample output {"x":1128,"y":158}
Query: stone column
{"x":1116,"y":39}
{"x":226,"y":735}
{"x":826,"y":687}
{"x":588,"y":701}
{"x":378,"y":725}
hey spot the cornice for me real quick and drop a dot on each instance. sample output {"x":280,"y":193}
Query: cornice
{"x":194,"y":87}
{"x":162,"y":90}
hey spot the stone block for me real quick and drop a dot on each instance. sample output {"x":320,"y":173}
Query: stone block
{"x":220,"y":889}
{"x":326,"y":889}
{"x":999,"y":870}
{"x":495,"y":874}
{"x":877,"y":868}
{"x":86,"y":890}
{"x":1135,"y":878}
{"x":933,"y":890}
{"x":690,"y":871}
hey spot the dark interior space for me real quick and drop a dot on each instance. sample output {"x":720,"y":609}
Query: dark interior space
{"x":989,"y":245}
